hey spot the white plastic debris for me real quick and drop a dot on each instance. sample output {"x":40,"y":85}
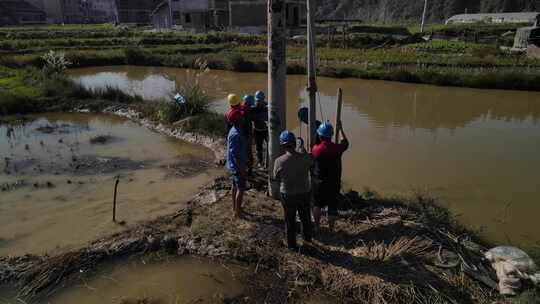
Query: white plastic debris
{"x":513,"y":266}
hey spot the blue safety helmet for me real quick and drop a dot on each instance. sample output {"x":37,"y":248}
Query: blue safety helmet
{"x":325,"y":130}
{"x":249,"y":101}
{"x":259,"y":96}
{"x":287,"y":138}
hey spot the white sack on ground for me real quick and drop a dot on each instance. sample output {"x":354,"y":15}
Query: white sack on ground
{"x":513,"y":266}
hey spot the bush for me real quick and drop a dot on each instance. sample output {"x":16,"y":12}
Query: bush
{"x":238,"y":63}
{"x":210,"y":124}
{"x":388,"y":30}
{"x":55,"y":64}
{"x":139,"y":56}
{"x":12,"y":104}
{"x":6,"y":46}
{"x":197,"y":101}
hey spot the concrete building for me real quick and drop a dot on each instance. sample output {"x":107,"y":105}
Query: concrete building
{"x":528,"y":17}
{"x":136,"y":11}
{"x":528,"y":39}
{"x":523,"y":36}
{"x":54,"y":9}
{"x":20,"y":12}
{"x":89,"y":11}
{"x":39,"y":4}
{"x":219,"y":13}
{"x":102,"y":11}
{"x":252,"y":13}
{"x":232,"y":14}
{"x":162,"y":16}
{"x":192,"y":13}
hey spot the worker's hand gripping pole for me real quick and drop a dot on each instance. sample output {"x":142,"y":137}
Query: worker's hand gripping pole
{"x":338,"y":114}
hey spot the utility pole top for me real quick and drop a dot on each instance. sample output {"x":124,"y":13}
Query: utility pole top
{"x":424,"y":16}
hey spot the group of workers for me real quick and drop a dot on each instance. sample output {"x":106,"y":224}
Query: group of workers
{"x":303,"y":177}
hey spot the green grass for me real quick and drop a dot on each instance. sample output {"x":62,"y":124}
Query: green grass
{"x":27,"y":90}
{"x":379,"y":29}
{"x":20,"y":82}
{"x":210,"y":124}
{"x":374,"y":55}
{"x":447,"y":45}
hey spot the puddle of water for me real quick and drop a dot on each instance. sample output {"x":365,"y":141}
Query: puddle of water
{"x":178,"y":281}
{"x":58,"y":186}
{"x":475,"y":150}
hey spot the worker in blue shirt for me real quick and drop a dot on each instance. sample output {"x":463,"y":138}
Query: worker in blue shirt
{"x":237,"y":160}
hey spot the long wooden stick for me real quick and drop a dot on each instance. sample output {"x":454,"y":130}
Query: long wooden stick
{"x":114,"y":200}
{"x":338,"y":113}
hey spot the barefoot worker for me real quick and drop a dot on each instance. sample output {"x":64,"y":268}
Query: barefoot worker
{"x":327,"y":173}
{"x":292,"y":172}
{"x":260,"y":120}
{"x":237,"y":159}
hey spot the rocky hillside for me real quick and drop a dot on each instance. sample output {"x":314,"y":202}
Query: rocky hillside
{"x":389,"y":11}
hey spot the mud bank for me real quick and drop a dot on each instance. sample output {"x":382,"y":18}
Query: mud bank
{"x":217,"y":145}
{"x":384,"y":251}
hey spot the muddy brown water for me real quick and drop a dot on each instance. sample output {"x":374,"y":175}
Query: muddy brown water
{"x":177,"y":281}
{"x":477,"y":151}
{"x":56,"y":186}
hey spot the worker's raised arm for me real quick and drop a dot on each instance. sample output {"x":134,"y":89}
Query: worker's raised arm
{"x":345,"y":141}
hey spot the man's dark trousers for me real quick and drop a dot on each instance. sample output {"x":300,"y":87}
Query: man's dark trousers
{"x":291,"y":205}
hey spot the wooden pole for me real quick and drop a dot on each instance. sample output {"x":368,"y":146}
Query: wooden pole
{"x":312,"y":75}
{"x":277,"y":81}
{"x":338,"y":113}
{"x":424,"y":16}
{"x":114,"y":200}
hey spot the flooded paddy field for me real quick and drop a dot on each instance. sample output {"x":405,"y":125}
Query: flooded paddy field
{"x":476,"y":151}
{"x":175,"y":281}
{"x":57,"y":176}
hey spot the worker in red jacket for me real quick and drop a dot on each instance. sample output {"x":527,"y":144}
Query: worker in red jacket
{"x":327,"y":173}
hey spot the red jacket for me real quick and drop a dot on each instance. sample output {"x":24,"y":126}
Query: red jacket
{"x":328,"y":167}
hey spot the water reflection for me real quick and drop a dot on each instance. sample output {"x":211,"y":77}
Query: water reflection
{"x":476,"y":150}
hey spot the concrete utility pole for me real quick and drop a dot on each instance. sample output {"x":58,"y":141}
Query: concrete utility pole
{"x":312,"y":75}
{"x":171,"y":24}
{"x":277,"y":81}
{"x":424,"y":16}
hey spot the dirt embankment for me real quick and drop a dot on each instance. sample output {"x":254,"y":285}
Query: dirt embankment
{"x":382,"y":252}
{"x":217,"y":145}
